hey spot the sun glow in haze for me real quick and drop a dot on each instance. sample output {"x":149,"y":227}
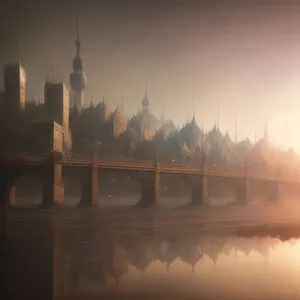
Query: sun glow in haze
{"x":232,"y":54}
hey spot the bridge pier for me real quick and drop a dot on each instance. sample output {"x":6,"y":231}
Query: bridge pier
{"x":151,"y":191}
{"x":242,"y":194}
{"x":90,"y":185}
{"x":52,"y":185}
{"x":200,"y":191}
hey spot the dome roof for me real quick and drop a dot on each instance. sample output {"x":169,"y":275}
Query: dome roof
{"x":78,"y":81}
{"x":78,"y":63}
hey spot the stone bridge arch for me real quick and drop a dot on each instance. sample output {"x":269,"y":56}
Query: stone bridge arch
{"x":226,"y":190}
{"x":109,"y":182}
{"x":149,"y":187}
{"x":73,"y":180}
{"x":10,"y":180}
{"x":264,"y":191}
{"x":177,"y":189}
{"x":121,"y":187}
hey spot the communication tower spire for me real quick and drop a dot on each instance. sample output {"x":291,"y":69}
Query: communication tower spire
{"x":78,"y":79}
{"x":78,"y":42}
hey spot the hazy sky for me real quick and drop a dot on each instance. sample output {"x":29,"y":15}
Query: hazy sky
{"x":244,"y":54}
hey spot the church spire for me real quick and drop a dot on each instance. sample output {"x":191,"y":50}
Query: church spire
{"x":145,"y":101}
{"x":193,"y":119}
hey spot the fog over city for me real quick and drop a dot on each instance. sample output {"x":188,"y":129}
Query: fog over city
{"x":150,"y":149}
{"x":243,"y":55}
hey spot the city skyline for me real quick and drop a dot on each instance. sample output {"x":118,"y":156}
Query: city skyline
{"x":181,"y":60}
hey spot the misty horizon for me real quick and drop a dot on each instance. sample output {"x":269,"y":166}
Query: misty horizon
{"x":243,"y":56}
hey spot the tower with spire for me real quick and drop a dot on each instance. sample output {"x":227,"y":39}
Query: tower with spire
{"x":147,"y":120}
{"x":145,"y":101}
{"x":78,"y":78}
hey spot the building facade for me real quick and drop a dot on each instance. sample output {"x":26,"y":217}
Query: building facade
{"x":15,"y":89}
{"x":57,"y":108}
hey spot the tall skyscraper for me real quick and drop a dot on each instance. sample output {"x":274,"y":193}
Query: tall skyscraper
{"x":57,"y":104}
{"x":15,"y":89}
{"x":78,"y":78}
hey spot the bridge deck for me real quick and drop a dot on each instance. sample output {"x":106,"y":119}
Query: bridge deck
{"x":150,"y":166}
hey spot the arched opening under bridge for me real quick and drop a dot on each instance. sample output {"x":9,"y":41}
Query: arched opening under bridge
{"x":26,"y":191}
{"x":119,"y":188}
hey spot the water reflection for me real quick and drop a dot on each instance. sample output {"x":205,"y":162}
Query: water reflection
{"x":187,"y":265}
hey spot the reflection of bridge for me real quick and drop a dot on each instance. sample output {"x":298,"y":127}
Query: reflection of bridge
{"x":45,"y":246}
{"x":49,"y":169}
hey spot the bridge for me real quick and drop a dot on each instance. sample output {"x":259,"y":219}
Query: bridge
{"x":49,"y":169}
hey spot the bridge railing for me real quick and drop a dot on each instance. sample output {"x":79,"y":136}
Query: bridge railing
{"x":22,"y":155}
{"x":272,"y":173}
{"x":121,"y":161}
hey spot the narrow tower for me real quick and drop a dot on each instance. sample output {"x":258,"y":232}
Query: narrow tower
{"x":145,"y":101}
{"x":15,"y":89}
{"x":78,"y":78}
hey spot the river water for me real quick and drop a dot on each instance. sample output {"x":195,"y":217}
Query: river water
{"x":188,"y":268}
{"x":250,"y":252}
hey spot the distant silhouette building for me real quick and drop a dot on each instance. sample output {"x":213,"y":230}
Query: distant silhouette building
{"x":78,"y":78}
{"x":119,"y":123}
{"x":57,"y":107}
{"x":15,"y":90}
{"x":103,"y":112}
{"x":57,"y":103}
{"x":144,"y":124}
{"x":147,"y":121}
